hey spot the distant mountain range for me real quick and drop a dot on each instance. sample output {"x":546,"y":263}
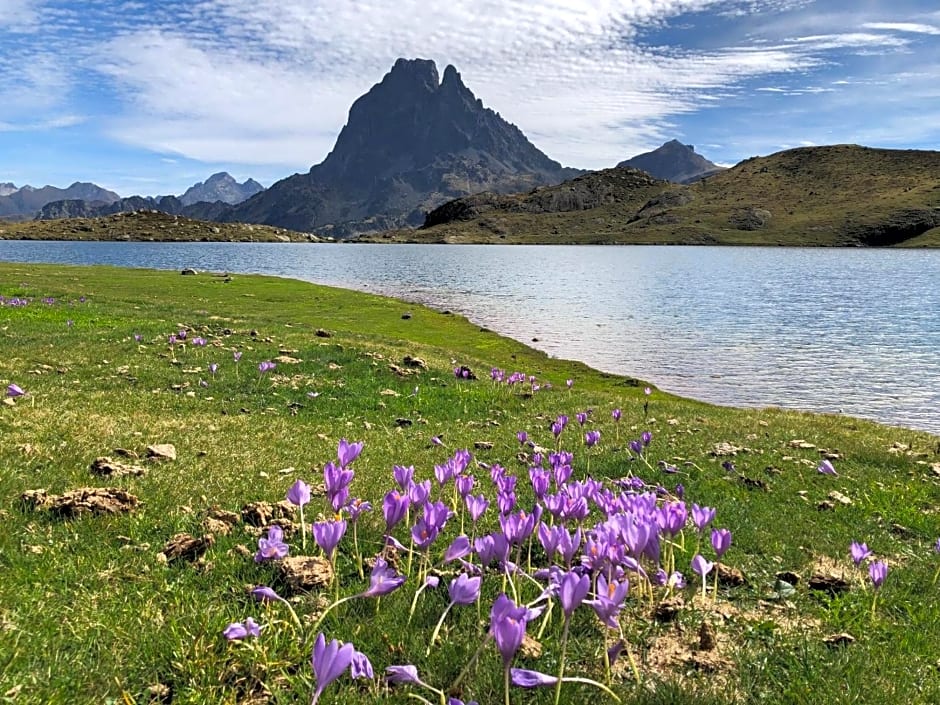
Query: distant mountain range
{"x":26,"y":201}
{"x":85,"y":200}
{"x":673,"y":161}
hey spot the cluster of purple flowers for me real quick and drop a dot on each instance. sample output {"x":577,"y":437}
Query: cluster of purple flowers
{"x":500,"y":376}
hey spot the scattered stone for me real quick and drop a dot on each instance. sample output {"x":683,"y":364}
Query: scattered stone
{"x":389,"y":393}
{"x":901,"y":531}
{"x":753,"y":484}
{"x":189,"y":271}
{"x":287,"y":360}
{"x":723,"y":449}
{"x":730,"y":576}
{"x":483,"y":445}
{"x":215,"y":527}
{"x":706,"y":636}
{"x":840,"y":498}
{"x":84,"y":500}
{"x":302,"y":573}
{"x":323,"y":333}
{"x":800,"y":443}
{"x":789,"y":576}
{"x":414,"y":362}
{"x":161,"y":451}
{"x":839,"y":640}
{"x":125,"y":453}
{"x":669,"y":609}
{"x":184,"y":547}
{"x":262,"y":514}
{"x":405,"y":316}
{"x":403,"y":423}
{"x":106,"y":467}
{"x":530,"y":648}
{"x":829,"y":580}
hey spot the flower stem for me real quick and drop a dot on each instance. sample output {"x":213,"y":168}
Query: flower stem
{"x":303,"y":530}
{"x":561,"y":667}
{"x":437,"y":628}
{"x":506,"y":685}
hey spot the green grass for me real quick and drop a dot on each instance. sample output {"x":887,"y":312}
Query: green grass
{"x":88,"y":614}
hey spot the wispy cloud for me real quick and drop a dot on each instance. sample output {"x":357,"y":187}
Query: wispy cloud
{"x":912,"y":27}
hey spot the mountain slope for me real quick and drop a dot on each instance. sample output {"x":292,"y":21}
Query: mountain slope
{"x":673,"y":161}
{"x":842,"y":195}
{"x":412,"y":142}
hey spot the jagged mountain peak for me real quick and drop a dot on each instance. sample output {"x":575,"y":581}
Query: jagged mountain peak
{"x":223,"y":187}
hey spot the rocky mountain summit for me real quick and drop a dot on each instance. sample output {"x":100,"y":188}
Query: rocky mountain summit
{"x":414,"y":141}
{"x":7,"y":188}
{"x":674,"y":162}
{"x":220,"y":187}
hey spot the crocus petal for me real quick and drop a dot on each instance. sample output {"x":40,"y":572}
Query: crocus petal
{"x":402,"y":674}
{"x":525,"y":678}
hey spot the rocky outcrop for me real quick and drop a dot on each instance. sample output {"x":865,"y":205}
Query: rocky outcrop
{"x":412,"y":142}
{"x":674,"y":161}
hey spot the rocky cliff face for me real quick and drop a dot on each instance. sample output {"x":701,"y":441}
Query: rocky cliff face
{"x":8,"y":188}
{"x":221,"y":187}
{"x":675,"y":162}
{"x":411,"y":143}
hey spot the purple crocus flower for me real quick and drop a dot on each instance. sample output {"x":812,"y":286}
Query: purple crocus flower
{"x":609,"y":600}
{"x":476,"y":506}
{"x":702,"y":516}
{"x":826,"y":468}
{"x":199,"y":342}
{"x":636,"y":447}
{"x":328,"y":534}
{"x":616,"y":413}
{"x":299,"y":493}
{"x":361,"y":667}
{"x":329,"y":662}
{"x":394,"y":507}
{"x":701,"y":565}
{"x":522,"y":437}
{"x":273,"y":547}
{"x":404,"y":476}
{"x":262,"y":593}
{"x":213,"y":367}
{"x":647,"y":391}
{"x":582,"y":417}
{"x":266,"y":366}
{"x":572,"y":589}
{"x":859,"y":552}
{"x":591,"y":438}
{"x":402,"y":674}
{"x":877,"y":571}
{"x":721,"y":541}
{"x":357,"y":507}
{"x":138,"y":337}
{"x":15,"y":390}
{"x":507,"y":626}
{"x":569,"y":383}
{"x":347,"y":452}
{"x":458,"y":548}
{"x":464,"y":590}
{"x":525,"y":678}
{"x":383,"y":580}
{"x":237,"y":354}
{"x":241,"y":630}
{"x":936,"y":546}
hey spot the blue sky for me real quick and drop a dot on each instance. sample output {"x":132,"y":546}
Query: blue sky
{"x":150,"y":97}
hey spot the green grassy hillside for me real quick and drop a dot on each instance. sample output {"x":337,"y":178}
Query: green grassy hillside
{"x":842,"y":195}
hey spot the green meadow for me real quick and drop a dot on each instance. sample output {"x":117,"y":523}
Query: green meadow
{"x":95,"y":607}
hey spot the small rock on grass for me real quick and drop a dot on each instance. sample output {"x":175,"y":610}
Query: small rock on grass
{"x":161,"y":451}
{"x":184,"y":547}
{"x":106,"y":467}
{"x":84,"y":500}
{"x":837,"y":640}
{"x":729,"y":576}
{"x":302,"y":573}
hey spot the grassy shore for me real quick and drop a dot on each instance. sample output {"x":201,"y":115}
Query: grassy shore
{"x":96,"y":609}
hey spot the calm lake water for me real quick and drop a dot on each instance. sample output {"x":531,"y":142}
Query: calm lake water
{"x":833,"y":330}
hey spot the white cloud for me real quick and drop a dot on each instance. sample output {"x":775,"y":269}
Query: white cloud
{"x":911,"y":27}
{"x":19,"y":15}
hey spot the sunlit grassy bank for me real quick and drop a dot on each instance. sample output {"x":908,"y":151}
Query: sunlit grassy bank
{"x":91,"y":612}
